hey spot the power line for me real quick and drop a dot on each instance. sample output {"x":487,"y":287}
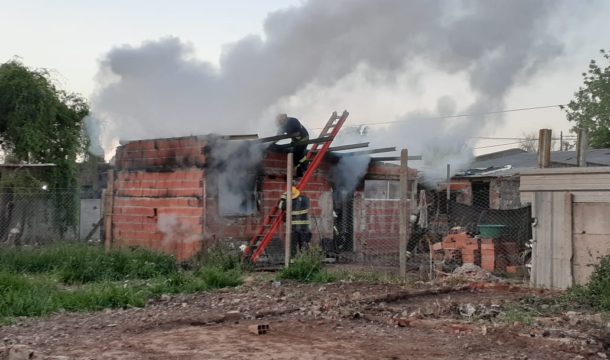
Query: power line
{"x":459,"y":115}
{"x":489,"y":146}
{"x":568,"y":137}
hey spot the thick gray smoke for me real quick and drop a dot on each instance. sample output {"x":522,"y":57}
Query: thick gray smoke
{"x":160,"y":89}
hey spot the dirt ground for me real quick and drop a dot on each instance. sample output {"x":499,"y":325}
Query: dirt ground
{"x":335,"y":321}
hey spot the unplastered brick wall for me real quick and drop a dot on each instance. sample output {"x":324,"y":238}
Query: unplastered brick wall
{"x":159,"y":210}
{"x":162,"y":153}
{"x":376,"y":221}
{"x":158,"y":196}
{"x":272,"y":184}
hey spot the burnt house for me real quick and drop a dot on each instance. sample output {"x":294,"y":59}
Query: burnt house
{"x":181,"y":195}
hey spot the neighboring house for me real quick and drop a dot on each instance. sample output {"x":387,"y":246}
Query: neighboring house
{"x":492,"y":180}
{"x":181,"y":195}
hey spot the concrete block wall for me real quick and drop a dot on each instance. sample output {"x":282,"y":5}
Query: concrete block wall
{"x":504,"y":193}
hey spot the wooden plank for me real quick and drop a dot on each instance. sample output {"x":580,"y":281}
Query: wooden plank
{"x":588,"y":249}
{"x":108,"y":210}
{"x":289,"y":167}
{"x":367,"y":152}
{"x":404,"y":212}
{"x":348,"y":147}
{"x":592,"y":218}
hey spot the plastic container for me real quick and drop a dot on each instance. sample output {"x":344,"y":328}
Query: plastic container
{"x":491,"y":231}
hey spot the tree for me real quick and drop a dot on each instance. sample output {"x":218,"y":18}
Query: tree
{"x":40,"y":123}
{"x":530,"y":142}
{"x":590,"y":108}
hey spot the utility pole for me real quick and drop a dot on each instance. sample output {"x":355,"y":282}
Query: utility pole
{"x":289,"y":162}
{"x":404,"y":212}
{"x":561,"y":141}
{"x":582,"y":145}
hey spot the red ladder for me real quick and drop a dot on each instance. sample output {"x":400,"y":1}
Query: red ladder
{"x":274,"y":219}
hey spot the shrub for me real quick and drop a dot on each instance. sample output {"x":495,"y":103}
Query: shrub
{"x":78,"y":263}
{"x":307,"y":267}
{"x":224,"y":257}
{"x":218,"y":278}
{"x":596,"y":293}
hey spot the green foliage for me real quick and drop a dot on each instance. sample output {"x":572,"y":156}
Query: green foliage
{"x":76,"y":263}
{"x":40,"y":123}
{"x":33,"y":281}
{"x":218,"y":278}
{"x":590,"y":108}
{"x":224,"y":257}
{"x":596,"y":293}
{"x":307,"y":267}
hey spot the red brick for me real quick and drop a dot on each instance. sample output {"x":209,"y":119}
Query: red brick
{"x":511,"y":269}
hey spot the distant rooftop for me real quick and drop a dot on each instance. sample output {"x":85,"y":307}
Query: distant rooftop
{"x":513,"y":161}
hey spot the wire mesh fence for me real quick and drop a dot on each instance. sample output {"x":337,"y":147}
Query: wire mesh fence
{"x":38,"y":216}
{"x":443,"y":234}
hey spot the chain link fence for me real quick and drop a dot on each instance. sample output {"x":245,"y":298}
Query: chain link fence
{"x":443,"y":234}
{"x":30,"y":217}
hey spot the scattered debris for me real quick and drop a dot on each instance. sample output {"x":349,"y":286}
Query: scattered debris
{"x":259,"y":329}
{"x":474,"y":272}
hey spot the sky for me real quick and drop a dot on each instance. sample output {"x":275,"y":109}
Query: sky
{"x":70,"y":37}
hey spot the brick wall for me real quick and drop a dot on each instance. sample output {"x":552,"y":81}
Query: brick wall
{"x":272,"y":184}
{"x":166,"y":200}
{"x":156,"y":153}
{"x":376,"y":229}
{"x":159,"y":210}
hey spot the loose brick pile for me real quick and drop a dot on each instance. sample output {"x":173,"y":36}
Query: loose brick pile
{"x":490,"y":254}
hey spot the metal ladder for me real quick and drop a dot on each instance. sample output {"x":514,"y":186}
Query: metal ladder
{"x":274,"y":219}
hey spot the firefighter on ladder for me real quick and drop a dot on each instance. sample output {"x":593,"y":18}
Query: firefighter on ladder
{"x":290,"y":125}
{"x":301,"y":235}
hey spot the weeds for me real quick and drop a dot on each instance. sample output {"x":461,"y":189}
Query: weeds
{"x":74,"y":277}
{"x":307,"y":267}
{"x":596,"y":294}
{"x":218,"y":278}
{"x":76,"y":263}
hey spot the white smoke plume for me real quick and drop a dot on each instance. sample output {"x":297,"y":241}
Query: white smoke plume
{"x":159,"y":89}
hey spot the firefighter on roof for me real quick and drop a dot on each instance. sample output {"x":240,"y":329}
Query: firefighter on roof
{"x":289,"y":125}
{"x":301,"y":235}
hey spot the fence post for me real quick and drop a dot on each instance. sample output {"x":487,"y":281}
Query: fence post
{"x":544,"y":148}
{"x":289,"y":162}
{"x":404,"y":214}
{"x":108,"y":203}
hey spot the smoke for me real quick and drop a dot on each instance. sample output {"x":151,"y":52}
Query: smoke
{"x":175,"y":231}
{"x":348,"y":172}
{"x":323,"y":54}
{"x":234,"y":165}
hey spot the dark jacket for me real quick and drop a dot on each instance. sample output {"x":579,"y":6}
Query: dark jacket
{"x":300,"y":213}
{"x":293,"y":126}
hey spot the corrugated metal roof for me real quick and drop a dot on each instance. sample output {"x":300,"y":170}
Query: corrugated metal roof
{"x":513,"y":161}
